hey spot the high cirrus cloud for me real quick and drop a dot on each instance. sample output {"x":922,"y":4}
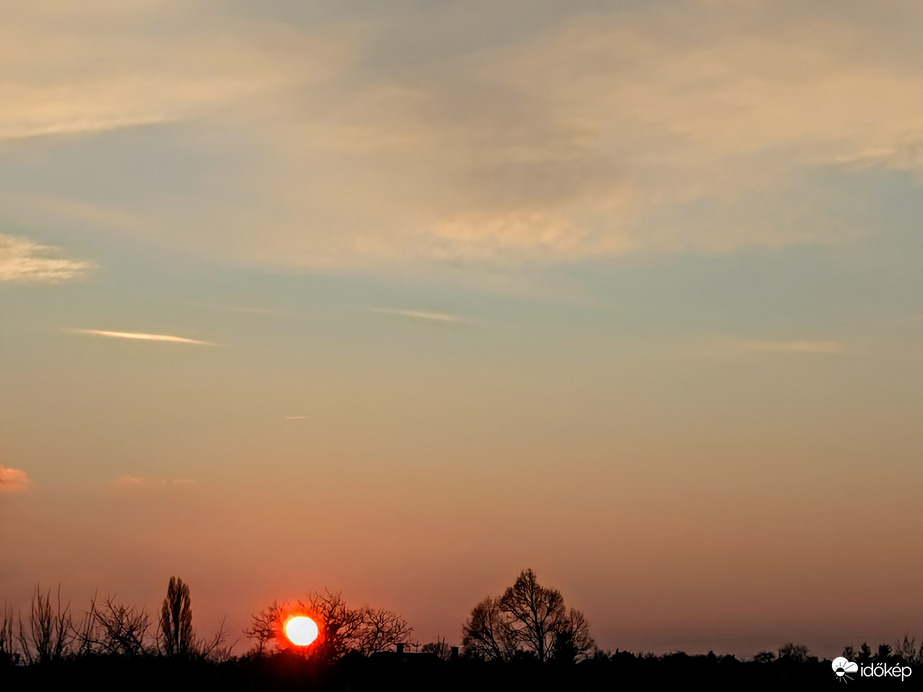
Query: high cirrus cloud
{"x":13,"y":480}
{"x":24,"y":260}
{"x":589,"y":131}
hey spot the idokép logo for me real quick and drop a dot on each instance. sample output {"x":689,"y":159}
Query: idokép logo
{"x":843,"y":667}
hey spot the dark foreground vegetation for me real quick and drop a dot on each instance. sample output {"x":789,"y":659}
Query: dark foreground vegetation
{"x":524,"y":639}
{"x":411,"y":672}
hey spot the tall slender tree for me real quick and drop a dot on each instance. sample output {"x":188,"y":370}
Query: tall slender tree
{"x":177,"y":638}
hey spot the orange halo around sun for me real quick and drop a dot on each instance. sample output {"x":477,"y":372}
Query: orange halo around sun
{"x":301,"y":630}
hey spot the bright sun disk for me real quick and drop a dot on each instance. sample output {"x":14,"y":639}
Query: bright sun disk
{"x":301,"y":630}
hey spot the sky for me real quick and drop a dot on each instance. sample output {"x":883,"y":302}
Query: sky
{"x":400,"y":299}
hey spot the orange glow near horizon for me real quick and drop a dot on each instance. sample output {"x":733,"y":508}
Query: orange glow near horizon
{"x":301,"y":630}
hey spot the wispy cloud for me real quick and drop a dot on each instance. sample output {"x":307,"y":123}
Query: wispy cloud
{"x":676,"y":126}
{"x":294,"y":417}
{"x":148,"y":483}
{"x":794,"y":346}
{"x":142,"y":336}
{"x":591,"y":137}
{"x":420,"y":314}
{"x":736,"y":348}
{"x":55,"y":83}
{"x":257,"y":311}
{"x":26,"y":261}
{"x":13,"y":480}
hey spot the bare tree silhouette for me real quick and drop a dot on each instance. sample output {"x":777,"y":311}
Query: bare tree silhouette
{"x":573,"y":642}
{"x":487,"y":634}
{"x":535,"y":613}
{"x":50,"y":632}
{"x":341,"y":628}
{"x":266,"y":626}
{"x":883,"y":654}
{"x":527,"y":618}
{"x":381,"y":630}
{"x":8,"y":653}
{"x":438,"y":648}
{"x":116,"y":628}
{"x":794,"y":653}
{"x":339,"y":624}
{"x":908,"y":651}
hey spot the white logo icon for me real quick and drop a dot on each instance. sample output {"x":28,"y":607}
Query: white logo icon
{"x":842,"y":667}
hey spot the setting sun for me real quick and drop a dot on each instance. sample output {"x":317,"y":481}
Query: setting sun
{"x":301,"y":630}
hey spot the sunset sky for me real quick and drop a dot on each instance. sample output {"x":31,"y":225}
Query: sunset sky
{"x":403,"y":298}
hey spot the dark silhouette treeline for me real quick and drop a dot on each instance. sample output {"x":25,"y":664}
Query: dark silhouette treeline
{"x":288,"y":670}
{"x":525,"y":639}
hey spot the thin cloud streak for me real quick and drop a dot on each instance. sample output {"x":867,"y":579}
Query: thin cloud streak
{"x":736,"y":348}
{"x":246,"y":310}
{"x":420,"y":314}
{"x":82,"y":127}
{"x":262,"y":311}
{"x":143,"y":337}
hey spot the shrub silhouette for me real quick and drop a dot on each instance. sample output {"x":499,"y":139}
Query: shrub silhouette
{"x":50,"y":633}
